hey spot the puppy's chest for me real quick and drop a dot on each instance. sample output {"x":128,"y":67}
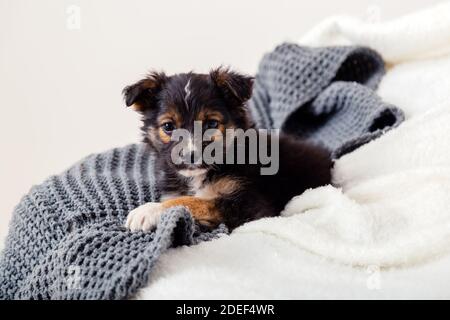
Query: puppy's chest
{"x":203,"y":189}
{"x":208,"y":190}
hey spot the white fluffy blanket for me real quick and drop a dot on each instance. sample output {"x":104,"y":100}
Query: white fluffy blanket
{"x":385,"y":233}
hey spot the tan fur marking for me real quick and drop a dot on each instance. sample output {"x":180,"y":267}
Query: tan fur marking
{"x":221,"y":187}
{"x":157,"y":136}
{"x":166,"y":117}
{"x":136,"y":107}
{"x":212,"y":115}
{"x":170,"y":116}
{"x":204,"y":211}
{"x":163,"y":136}
{"x":226,"y":185}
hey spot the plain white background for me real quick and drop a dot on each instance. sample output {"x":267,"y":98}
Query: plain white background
{"x":60,"y":88}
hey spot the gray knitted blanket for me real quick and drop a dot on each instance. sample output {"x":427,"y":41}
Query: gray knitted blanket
{"x":324,"y":95}
{"x":66,"y":238}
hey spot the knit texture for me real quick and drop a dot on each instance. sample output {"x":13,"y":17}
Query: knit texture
{"x":324,"y":95}
{"x":67,"y":239}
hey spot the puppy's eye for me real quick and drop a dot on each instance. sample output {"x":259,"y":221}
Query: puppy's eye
{"x":168,"y":127}
{"x":212,"y":124}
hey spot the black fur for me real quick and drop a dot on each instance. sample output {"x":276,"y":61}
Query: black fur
{"x":302,"y":165}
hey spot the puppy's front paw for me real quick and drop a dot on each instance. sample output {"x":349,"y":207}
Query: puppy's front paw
{"x":145,"y":217}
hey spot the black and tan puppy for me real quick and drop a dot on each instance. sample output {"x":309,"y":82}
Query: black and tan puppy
{"x":215,"y":192}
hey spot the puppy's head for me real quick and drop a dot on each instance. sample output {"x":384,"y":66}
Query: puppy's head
{"x":186,"y":102}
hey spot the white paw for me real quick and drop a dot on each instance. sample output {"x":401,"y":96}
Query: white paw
{"x":145,"y":217}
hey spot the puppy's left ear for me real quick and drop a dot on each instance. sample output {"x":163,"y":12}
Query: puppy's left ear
{"x":143,"y":95}
{"x":236,"y":87}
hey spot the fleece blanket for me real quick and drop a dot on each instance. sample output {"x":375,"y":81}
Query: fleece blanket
{"x":67,"y":239}
{"x":324,"y":95}
{"x":385,"y":231}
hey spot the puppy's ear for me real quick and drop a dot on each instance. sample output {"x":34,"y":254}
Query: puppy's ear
{"x":236,"y":88}
{"x":143,"y":94}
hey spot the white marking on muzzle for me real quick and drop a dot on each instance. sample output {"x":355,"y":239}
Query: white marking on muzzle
{"x":187,"y":90}
{"x":192,"y":172}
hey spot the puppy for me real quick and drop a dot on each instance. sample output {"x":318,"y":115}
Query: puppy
{"x":222,"y":192}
